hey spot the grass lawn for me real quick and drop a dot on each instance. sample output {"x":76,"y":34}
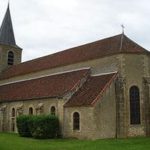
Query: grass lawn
{"x":14,"y":142}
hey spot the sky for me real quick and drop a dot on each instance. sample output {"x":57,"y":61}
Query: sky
{"x":43,"y":27}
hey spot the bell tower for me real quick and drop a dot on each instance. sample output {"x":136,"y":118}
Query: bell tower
{"x":10,"y":53}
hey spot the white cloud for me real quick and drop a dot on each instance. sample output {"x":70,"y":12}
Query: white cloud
{"x":43,"y":27}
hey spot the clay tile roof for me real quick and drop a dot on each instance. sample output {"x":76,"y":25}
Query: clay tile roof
{"x":91,"y":91}
{"x":50,"y":86}
{"x":105,"y":47}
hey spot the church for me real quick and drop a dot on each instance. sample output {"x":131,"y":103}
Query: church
{"x":97,"y":90}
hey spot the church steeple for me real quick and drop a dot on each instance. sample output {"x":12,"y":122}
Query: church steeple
{"x":10,"y":53}
{"x":6,"y":31}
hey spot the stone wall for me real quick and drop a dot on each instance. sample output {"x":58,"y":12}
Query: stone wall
{"x":105,"y":114}
{"x":87,"y":124}
{"x":134,"y":70}
{"x":4,"y":49}
{"x":40,"y":106}
{"x":96,"y":122}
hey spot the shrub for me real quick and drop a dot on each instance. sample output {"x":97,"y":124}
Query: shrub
{"x":23,"y":126}
{"x":44,"y":126}
{"x":41,"y":127}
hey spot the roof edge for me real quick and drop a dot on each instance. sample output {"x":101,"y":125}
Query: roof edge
{"x":104,"y":89}
{"x":34,"y":98}
{"x":54,"y":74}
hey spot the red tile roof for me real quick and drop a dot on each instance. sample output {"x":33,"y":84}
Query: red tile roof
{"x":91,"y":91}
{"x":101,"y":48}
{"x":50,"y":86}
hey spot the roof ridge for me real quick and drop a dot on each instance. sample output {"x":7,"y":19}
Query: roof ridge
{"x":135,"y":43}
{"x":65,"y":50}
{"x":104,"y":73}
{"x":28,"y":61}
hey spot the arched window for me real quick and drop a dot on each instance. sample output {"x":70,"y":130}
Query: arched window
{"x":134,"y":105}
{"x":53,"y":110}
{"x":13,"y":113}
{"x":76,"y":121}
{"x":30,"y":111}
{"x":10,"y":58}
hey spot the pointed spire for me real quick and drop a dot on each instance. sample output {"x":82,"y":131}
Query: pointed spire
{"x":6,"y":31}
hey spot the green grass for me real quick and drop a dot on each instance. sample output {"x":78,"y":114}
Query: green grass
{"x":14,"y":142}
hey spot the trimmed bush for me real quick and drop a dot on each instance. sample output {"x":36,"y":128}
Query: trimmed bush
{"x":40,"y":127}
{"x":23,"y":126}
{"x":44,"y":126}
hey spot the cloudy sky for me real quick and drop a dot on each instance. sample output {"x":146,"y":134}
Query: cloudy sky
{"x":47,"y":26}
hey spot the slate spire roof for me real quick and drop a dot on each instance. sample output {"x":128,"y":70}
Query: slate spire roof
{"x":6,"y":31}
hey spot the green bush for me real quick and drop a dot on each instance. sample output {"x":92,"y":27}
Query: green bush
{"x":41,"y":127}
{"x":23,"y":126}
{"x":44,"y":126}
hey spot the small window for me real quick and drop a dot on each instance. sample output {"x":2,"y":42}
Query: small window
{"x":10,"y":58}
{"x":134,"y":105}
{"x":76,"y":121}
{"x":13,"y":113}
{"x":30,"y":111}
{"x":53,"y":110}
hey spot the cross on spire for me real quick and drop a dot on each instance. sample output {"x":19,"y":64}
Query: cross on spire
{"x":123,"y":27}
{"x":122,"y":37}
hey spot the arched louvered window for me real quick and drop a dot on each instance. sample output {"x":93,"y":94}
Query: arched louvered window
{"x":10,"y":60}
{"x":53,"y":110}
{"x":134,"y":105}
{"x":76,"y":121}
{"x":30,"y":111}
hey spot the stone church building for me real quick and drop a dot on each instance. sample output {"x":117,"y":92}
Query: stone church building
{"x":98,"y":90}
